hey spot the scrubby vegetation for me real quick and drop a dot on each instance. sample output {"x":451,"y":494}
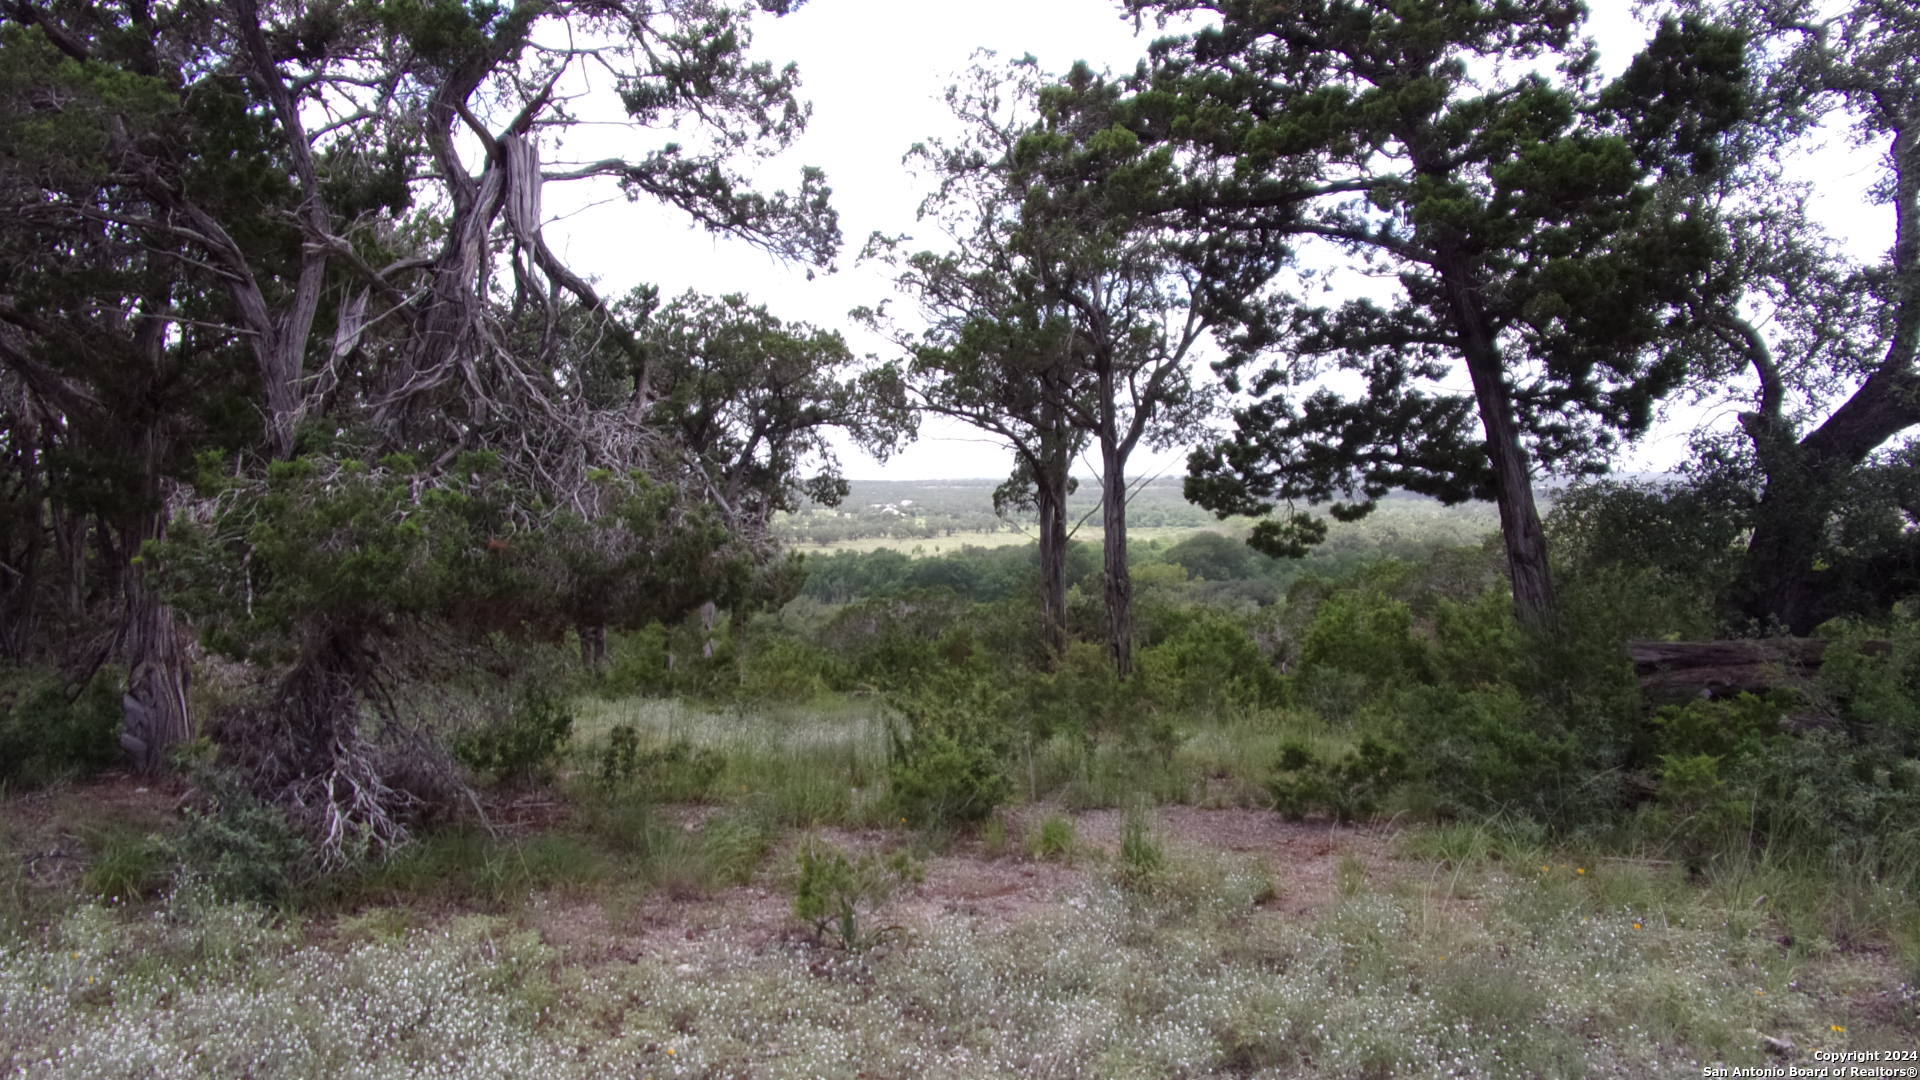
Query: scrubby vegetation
{"x":409,"y":665}
{"x":1506,"y":864}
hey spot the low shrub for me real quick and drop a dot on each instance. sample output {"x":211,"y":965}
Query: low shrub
{"x":782,"y":668}
{"x":50,"y":731}
{"x":947,"y":750}
{"x":1141,"y":856}
{"x":524,"y":743}
{"x":1210,"y":663}
{"x":1485,"y":752}
{"x":836,"y":894}
{"x":230,"y":843}
{"x":676,"y":772}
{"x":1350,"y":787}
{"x":1055,"y":840}
{"x":127,"y":866}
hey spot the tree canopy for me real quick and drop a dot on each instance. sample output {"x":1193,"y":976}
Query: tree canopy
{"x":1538,"y":225}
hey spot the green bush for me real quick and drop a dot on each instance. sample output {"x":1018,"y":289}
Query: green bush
{"x":1485,"y":752}
{"x":785,"y":669}
{"x":1476,"y":643}
{"x":1141,"y":856}
{"x":1722,"y":730}
{"x":242,"y":850}
{"x":1368,"y":633}
{"x":1056,"y":839}
{"x":620,"y":757}
{"x":1208,"y":664}
{"x":837,"y":894}
{"x":232,"y":844}
{"x":637,"y":662}
{"x":1846,"y":797}
{"x":676,"y":772}
{"x":1350,"y":787}
{"x":947,"y":749}
{"x":524,"y":743}
{"x":49,"y":732}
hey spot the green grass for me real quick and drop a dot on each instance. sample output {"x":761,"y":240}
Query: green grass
{"x":797,"y":767}
{"x":1056,"y":839}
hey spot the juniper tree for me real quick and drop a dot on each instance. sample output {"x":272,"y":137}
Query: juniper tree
{"x":1827,"y":340}
{"x":1535,"y":221}
{"x":994,"y":354}
{"x":1071,"y":311}
{"x":352,"y":194}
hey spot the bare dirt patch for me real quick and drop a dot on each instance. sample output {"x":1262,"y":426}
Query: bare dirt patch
{"x":1305,"y":857}
{"x":966,"y":884}
{"x":48,"y":830}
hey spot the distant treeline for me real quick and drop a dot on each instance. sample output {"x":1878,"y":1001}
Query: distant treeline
{"x":1402,"y":528}
{"x":931,"y":509}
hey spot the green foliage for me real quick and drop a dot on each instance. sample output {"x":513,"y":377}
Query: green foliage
{"x":1365,"y":632}
{"x":1141,"y":856}
{"x":620,"y":757}
{"x":676,"y":772}
{"x":50,"y":732}
{"x":1055,"y":840}
{"x":1476,"y":643}
{"x":242,"y":849}
{"x":779,"y":667}
{"x":895,"y":642}
{"x":1721,"y":730}
{"x":1542,"y":240}
{"x":127,"y":866}
{"x":1844,"y":797}
{"x":1211,"y":662}
{"x":1688,"y":534}
{"x":1351,"y":787}
{"x":837,"y":893}
{"x":522,"y":744}
{"x":947,"y":752}
{"x":231,"y":843}
{"x":1485,"y":753}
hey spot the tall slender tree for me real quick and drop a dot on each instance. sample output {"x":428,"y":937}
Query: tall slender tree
{"x":1079,"y":310}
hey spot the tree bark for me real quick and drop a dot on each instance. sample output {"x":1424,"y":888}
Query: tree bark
{"x":1050,"y":483}
{"x":1534,"y":603}
{"x":20,"y":579}
{"x":1119,"y":581}
{"x":593,"y":647}
{"x":157,"y":715}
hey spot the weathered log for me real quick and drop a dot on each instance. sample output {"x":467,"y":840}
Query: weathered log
{"x":1678,"y":670}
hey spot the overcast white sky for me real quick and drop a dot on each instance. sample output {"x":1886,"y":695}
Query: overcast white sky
{"x":874,"y":71}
